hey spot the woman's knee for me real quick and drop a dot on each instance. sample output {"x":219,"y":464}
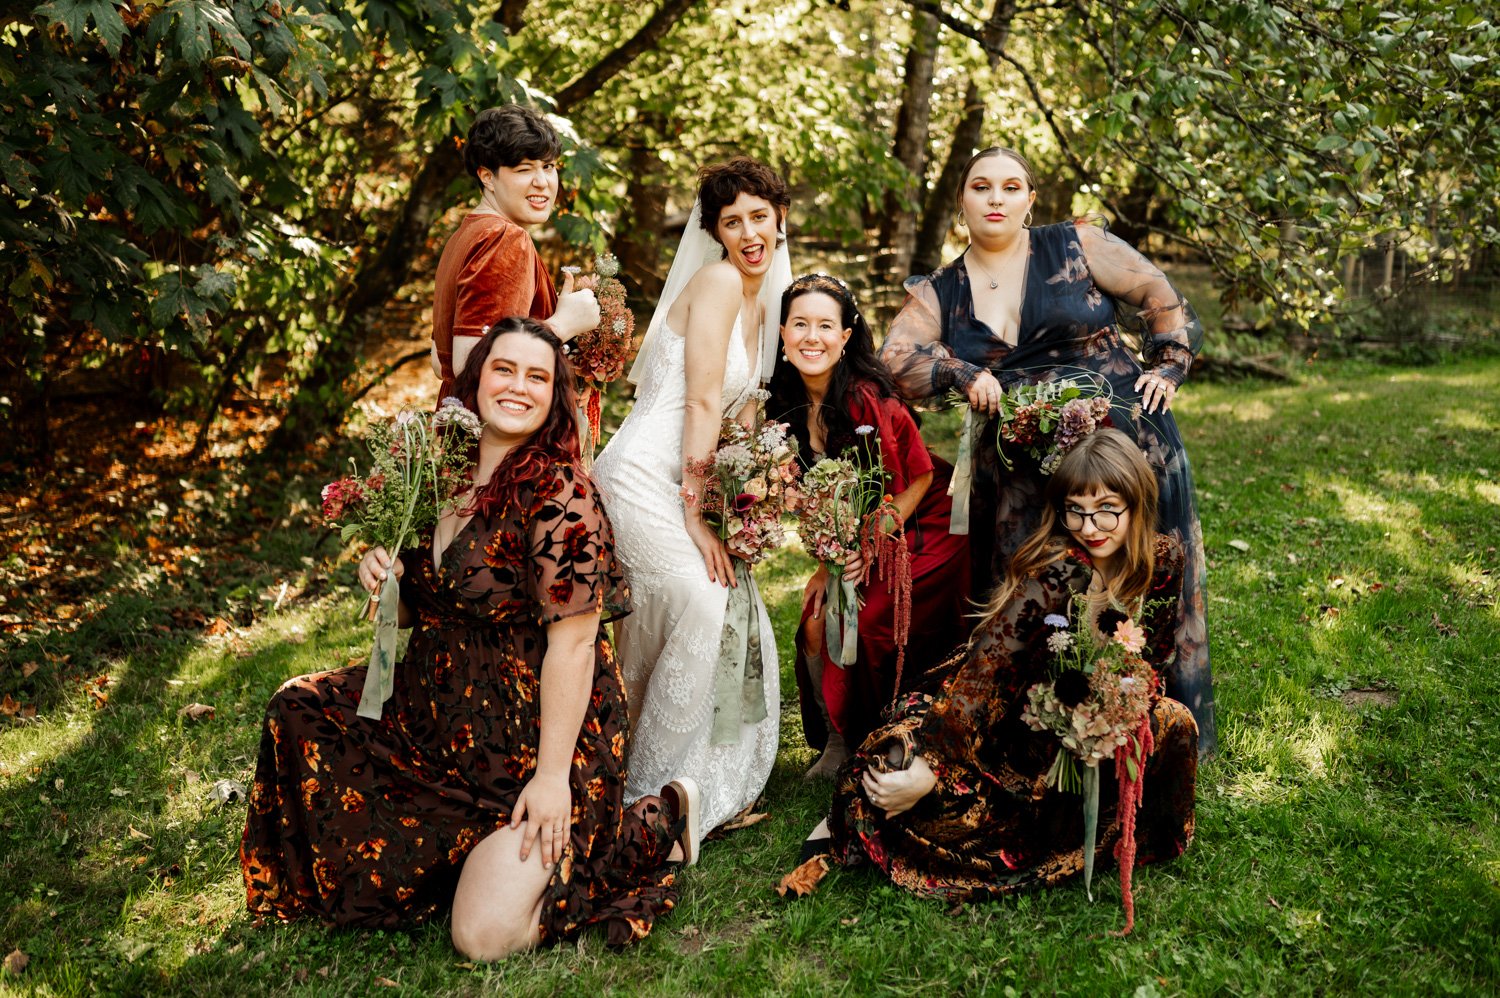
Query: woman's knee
{"x":488,"y":936}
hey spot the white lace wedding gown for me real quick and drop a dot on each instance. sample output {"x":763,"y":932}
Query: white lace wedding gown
{"x":669,"y":644}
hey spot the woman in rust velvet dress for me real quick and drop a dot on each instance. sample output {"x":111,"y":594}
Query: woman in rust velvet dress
{"x":950,"y":798}
{"x":490,"y":269}
{"x":827,"y":383}
{"x":1029,"y":304}
{"x":497,"y":766}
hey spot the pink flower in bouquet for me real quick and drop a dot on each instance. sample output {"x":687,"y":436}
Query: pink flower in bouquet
{"x":1129,"y":634}
{"x":339,"y":496}
{"x":745,"y":501}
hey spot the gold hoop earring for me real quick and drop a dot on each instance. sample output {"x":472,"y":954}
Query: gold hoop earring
{"x":1026,"y":222}
{"x":963,"y":223}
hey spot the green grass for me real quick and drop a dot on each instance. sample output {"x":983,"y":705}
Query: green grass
{"x":1347,"y":842}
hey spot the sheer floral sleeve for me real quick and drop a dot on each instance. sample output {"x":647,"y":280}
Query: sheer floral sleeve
{"x":914,"y":350}
{"x":572,"y":556}
{"x":1171,"y":334}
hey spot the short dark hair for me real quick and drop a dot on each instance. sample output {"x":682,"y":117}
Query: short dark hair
{"x":719,"y":185}
{"x":508,"y":135}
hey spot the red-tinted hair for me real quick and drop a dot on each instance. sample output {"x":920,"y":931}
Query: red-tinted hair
{"x":556,"y":440}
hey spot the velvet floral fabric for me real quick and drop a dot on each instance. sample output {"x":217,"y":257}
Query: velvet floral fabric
{"x":357,"y":822}
{"x":489,"y":271}
{"x":991,"y":825}
{"x":1078,"y":277}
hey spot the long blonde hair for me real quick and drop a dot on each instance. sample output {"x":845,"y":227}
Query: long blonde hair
{"x":1104,"y":461}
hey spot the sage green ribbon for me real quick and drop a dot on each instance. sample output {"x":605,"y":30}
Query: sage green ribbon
{"x":1090,"y":825}
{"x":739,"y":675}
{"x":380,"y":675}
{"x":841,"y":620}
{"x":962,"y":482}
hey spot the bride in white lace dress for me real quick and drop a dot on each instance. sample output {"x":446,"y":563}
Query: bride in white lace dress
{"x":706,"y":349}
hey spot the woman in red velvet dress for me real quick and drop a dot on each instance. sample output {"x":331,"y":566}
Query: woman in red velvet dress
{"x":489,"y":269}
{"x":829,"y":385}
{"x":494,"y":779}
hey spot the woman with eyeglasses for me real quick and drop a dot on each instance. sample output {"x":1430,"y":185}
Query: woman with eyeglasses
{"x":951,"y":798}
{"x":1026,"y":304}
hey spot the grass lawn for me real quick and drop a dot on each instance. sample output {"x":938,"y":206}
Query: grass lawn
{"x":1348,"y":837}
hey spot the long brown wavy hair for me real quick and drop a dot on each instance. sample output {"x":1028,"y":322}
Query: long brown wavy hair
{"x":556,"y":440}
{"x":1104,"y":461}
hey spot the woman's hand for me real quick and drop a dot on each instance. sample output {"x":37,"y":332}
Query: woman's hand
{"x":984,"y":394}
{"x":900,"y":790}
{"x":715,"y":554}
{"x":375,"y":567}
{"x":854,"y":567}
{"x":815,"y":593}
{"x":577,"y":308}
{"x":1156,"y":391}
{"x":547,"y":803}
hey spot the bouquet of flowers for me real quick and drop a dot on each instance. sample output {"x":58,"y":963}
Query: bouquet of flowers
{"x":599,"y":354}
{"x":747,"y":483}
{"x":747,"y":486}
{"x":1049,"y":417}
{"x":844,"y":509}
{"x":1098,"y":704}
{"x":419,"y":462}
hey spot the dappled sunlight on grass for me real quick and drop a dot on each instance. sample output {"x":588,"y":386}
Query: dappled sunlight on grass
{"x":1287,"y":744}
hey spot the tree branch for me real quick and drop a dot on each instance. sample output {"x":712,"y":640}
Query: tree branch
{"x":611,"y":65}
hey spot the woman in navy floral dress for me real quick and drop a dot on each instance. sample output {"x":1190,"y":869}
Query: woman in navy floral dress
{"x":1037,"y":304}
{"x":493,"y":781}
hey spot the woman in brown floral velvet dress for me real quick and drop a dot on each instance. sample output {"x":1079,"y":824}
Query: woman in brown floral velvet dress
{"x":1029,"y":304}
{"x":493,"y":780}
{"x":950,"y":798}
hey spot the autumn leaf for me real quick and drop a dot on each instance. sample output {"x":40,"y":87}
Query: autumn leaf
{"x":804,"y":879}
{"x":744,"y":820}
{"x":16,"y":962}
{"x":217,"y":627}
{"x":196,"y":712}
{"x":29,"y":669}
{"x":9,"y":707}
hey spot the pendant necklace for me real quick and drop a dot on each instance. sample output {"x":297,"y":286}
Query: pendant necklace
{"x":985,"y":271}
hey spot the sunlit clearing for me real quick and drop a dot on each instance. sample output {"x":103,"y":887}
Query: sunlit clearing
{"x":1288,"y":745}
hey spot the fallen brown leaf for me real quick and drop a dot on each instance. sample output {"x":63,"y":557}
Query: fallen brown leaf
{"x":1446,"y":630}
{"x":16,"y":962}
{"x":9,"y":707}
{"x":197,"y":712}
{"x":386,"y":982}
{"x":217,"y":627}
{"x":804,"y":879}
{"x":136,"y":833}
{"x":1273,"y":902}
{"x":29,"y":669}
{"x":743,"y":820}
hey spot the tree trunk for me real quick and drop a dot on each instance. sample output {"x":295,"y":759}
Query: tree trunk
{"x":321,"y":398}
{"x":638,"y":237}
{"x":898,"y":226}
{"x":938,"y":211}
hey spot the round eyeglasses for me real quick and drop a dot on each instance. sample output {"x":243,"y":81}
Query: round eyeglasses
{"x":1105,"y":520}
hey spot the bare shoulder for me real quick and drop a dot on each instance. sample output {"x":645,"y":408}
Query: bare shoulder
{"x":713,"y":282}
{"x":710,"y":300}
